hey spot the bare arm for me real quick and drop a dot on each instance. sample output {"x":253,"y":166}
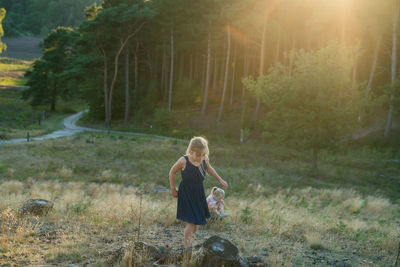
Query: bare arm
{"x":179,"y":164}
{"x":213,"y":173}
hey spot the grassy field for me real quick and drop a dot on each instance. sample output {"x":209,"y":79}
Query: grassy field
{"x":17,"y":117}
{"x":346,"y":214}
{"x":12,"y":71}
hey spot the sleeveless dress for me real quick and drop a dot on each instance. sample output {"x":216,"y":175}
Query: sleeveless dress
{"x":192,"y":204}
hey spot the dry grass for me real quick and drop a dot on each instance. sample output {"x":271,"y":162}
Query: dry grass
{"x":88,"y":213}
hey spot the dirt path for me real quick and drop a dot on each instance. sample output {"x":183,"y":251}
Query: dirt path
{"x":70,"y":128}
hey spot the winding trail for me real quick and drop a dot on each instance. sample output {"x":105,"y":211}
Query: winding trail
{"x":70,"y":128}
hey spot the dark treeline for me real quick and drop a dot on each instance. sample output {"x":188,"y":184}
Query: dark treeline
{"x":39,"y":17}
{"x":133,"y":57}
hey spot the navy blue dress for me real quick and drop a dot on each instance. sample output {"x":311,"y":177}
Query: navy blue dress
{"x":192,"y":204}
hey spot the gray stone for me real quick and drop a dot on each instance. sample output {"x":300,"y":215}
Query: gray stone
{"x":156,"y":253}
{"x":218,"y":251}
{"x":36,"y":207}
{"x":48,"y":229}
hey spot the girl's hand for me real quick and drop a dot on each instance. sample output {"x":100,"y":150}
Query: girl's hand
{"x":224,"y":184}
{"x":174,"y":193}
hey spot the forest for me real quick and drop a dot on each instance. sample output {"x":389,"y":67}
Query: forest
{"x":305,"y":72}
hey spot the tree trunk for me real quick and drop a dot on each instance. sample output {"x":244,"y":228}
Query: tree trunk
{"x":373,"y":67}
{"x":222,"y":70}
{"x":181,"y":65}
{"x":196,"y":68}
{"x":315,"y":158}
{"x":166,"y":80}
{"x":116,"y":60}
{"x":127,"y":94}
{"x":191,"y":67}
{"x":394,"y":65}
{"x":135,"y":92}
{"x":226,"y":75}
{"x":163,"y":73}
{"x":105,"y":84}
{"x":233,"y":76}
{"x":214,"y":87}
{"x":246,"y":62}
{"x":354,"y":75}
{"x":203,"y":109}
{"x":261,"y":71}
{"x":54,"y":97}
{"x":155,"y":64}
{"x":203,"y":72}
{"x":171,"y":71}
{"x":278,"y":46}
{"x":291,"y":56}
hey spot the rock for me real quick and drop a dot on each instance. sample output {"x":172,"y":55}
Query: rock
{"x":114,"y":254}
{"x":47,"y":229}
{"x":36,"y":207}
{"x":217,"y":251}
{"x":155,"y":253}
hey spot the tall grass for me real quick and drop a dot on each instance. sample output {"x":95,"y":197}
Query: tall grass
{"x":306,"y":217}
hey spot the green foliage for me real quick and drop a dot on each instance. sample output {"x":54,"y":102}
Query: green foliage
{"x":163,"y":118}
{"x":186,"y":94}
{"x":48,"y":80}
{"x":150,"y":100}
{"x":315,"y":106}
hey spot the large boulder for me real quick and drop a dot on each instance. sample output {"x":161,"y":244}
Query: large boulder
{"x":36,"y":207}
{"x":217,"y":251}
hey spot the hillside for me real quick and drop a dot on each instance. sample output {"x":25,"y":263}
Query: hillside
{"x":346,"y":214}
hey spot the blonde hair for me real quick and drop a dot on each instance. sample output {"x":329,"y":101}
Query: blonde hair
{"x":197,"y":145}
{"x":218,"y":192}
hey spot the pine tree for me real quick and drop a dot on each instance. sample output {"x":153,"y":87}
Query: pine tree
{"x":47,"y":80}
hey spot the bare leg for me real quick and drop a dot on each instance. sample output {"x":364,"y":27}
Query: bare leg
{"x":190,"y":230}
{"x":195,"y":230}
{"x":214,"y":208}
{"x":221,"y":208}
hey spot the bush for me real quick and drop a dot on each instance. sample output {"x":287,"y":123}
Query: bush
{"x":163,"y":118}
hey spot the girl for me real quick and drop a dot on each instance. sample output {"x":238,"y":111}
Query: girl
{"x":192,"y":204}
{"x":216,"y":202}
